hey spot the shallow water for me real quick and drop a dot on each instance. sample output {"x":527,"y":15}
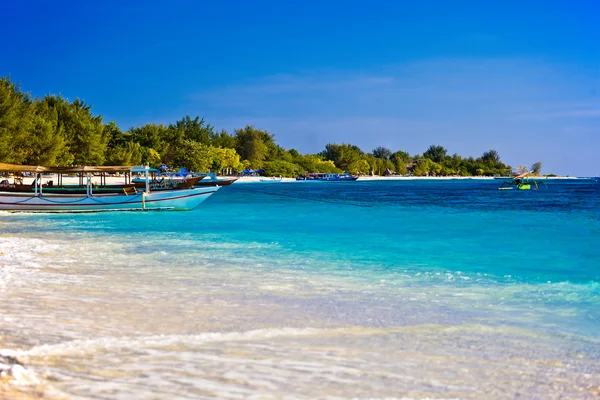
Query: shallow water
{"x":413,"y":289}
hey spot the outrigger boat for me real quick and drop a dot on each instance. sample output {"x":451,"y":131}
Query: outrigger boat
{"x":96,"y":197}
{"x":522,"y":182}
{"x":156,"y":183}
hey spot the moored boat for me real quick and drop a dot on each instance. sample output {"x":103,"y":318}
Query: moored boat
{"x":137,"y":183}
{"x":327,"y":177}
{"x":94,"y":198}
{"x":522,"y":182}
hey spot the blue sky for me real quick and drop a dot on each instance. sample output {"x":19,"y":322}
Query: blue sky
{"x":519,"y":77}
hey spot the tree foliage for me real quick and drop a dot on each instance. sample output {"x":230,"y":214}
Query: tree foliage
{"x":55,"y":131}
{"x":251,"y":145}
{"x":342,"y":155}
{"x":382,"y":152}
{"x":536,"y":168}
{"x":435,"y":153}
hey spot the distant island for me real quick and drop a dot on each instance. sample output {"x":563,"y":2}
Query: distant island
{"x":52,"y":131}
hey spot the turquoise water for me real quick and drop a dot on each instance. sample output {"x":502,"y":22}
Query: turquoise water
{"x":416,"y":289}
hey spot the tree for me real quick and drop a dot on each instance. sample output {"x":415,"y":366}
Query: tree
{"x":279,"y":167}
{"x":128,"y":153}
{"x":435,"y":153}
{"x":359,"y":167}
{"x":536,"y":168}
{"x":426,"y":167}
{"x":342,"y":155}
{"x":47,"y":141}
{"x":222,"y":139}
{"x":151,"y":136}
{"x":294,"y":153}
{"x":196,"y":130}
{"x":400,"y":159}
{"x":314,"y":163}
{"x":194,"y":156}
{"x":14,"y":122}
{"x":382,"y":152}
{"x":83,"y":130}
{"x":250,"y":145}
{"x":227,"y":158}
{"x":491,"y":157}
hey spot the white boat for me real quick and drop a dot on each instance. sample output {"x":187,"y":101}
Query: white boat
{"x":129,"y":199}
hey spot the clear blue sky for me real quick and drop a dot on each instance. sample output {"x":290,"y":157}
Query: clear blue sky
{"x":519,"y":77}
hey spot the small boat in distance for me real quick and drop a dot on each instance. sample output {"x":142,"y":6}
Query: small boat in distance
{"x":327,"y":177}
{"x":96,"y":197}
{"x":522,"y":182}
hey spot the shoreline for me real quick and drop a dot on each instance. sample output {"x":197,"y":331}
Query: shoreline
{"x":364,"y":178}
{"x":73,"y":180}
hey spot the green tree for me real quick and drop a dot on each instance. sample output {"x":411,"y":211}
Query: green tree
{"x":426,"y":167}
{"x":280,"y":167}
{"x":151,"y":136}
{"x":194,"y":156}
{"x":382,"y":152}
{"x":400,"y":159}
{"x":14,"y":122}
{"x":314,"y":163}
{"x":491,"y":157}
{"x":435,"y":153}
{"x":128,"y":153}
{"x":360,"y":167}
{"x":222,"y":139}
{"x":228,"y":159}
{"x":342,"y":155}
{"x":251,"y":145}
{"x":121,"y":148}
{"x":196,"y":130}
{"x":47,"y":141}
{"x":84,"y":131}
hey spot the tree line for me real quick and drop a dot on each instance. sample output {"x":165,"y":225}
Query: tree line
{"x":53,"y":131}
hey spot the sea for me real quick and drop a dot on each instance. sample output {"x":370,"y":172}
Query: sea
{"x":407,"y":289}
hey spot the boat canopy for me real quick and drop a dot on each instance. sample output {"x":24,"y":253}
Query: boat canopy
{"x":141,"y":168}
{"x":66,"y":170}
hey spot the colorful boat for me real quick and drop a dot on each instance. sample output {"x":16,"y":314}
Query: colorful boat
{"x":94,"y":198}
{"x":137,"y":183}
{"x":167,"y":182}
{"x":327,"y":177}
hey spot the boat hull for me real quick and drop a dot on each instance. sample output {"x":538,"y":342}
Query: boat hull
{"x":176,"y":199}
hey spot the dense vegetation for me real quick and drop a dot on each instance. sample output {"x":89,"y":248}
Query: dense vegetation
{"x":53,"y":131}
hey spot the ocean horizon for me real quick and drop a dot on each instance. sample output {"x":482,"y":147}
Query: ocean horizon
{"x":414,"y":289}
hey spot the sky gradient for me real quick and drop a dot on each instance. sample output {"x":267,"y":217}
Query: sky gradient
{"x":523,"y":79}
